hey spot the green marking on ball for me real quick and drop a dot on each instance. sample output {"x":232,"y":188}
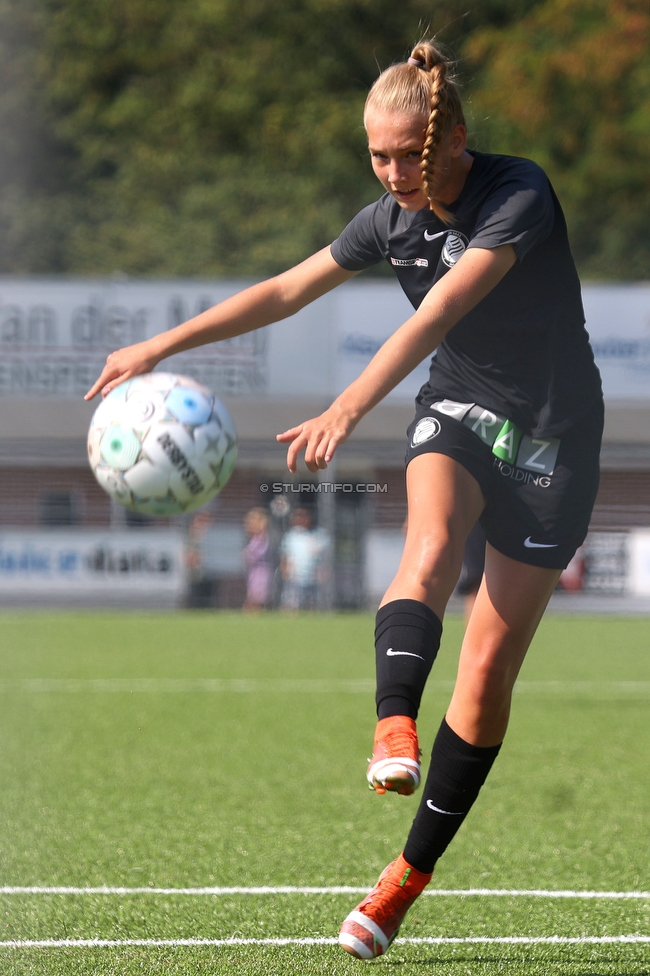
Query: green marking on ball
{"x":120,"y":447}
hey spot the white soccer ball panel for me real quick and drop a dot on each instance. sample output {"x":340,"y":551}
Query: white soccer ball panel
{"x":117,"y":394}
{"x":94,"y":452}
{"x":169,"y":445}
{"x":189,"y":381}
{"x":108,"y":412}
{"x":143,"y":407}
{"x":227,"y":466}
{"x":113,"y":483}
{"x":162,"y":382}
{"x":210,"y":441}
{"x":224,"y":417}
{"x":147,"y":480}
{"x":194,"y":486}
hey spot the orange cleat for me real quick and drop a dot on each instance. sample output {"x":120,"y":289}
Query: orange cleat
{"x":395,"y":763}
{"x":369,"y":930}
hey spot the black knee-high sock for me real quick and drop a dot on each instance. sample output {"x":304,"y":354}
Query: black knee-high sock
{"x":457,"y":773}
{"x":407,"y":638}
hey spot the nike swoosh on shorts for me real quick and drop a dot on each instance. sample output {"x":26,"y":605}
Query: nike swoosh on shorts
{"x":529,"y":544}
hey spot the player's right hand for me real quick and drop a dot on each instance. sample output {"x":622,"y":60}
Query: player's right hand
{"x":121,"y":365}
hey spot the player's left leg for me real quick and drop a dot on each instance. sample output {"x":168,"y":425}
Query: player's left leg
{"x":508,"y":608}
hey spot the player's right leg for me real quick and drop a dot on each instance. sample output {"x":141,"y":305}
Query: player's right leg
{"x":509,"y":606}
{"x":369,"y":930}
{"x":444,"y":502}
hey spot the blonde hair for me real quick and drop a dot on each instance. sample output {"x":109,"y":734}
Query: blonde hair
{"x":424,"y":85}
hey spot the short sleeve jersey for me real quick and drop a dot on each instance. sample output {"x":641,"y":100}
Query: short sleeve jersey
{"x":523,"y":351}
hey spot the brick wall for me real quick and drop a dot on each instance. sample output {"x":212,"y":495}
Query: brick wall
{"x":623,"y":499}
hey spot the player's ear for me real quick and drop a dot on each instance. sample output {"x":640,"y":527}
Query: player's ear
{"x":458,"y":140}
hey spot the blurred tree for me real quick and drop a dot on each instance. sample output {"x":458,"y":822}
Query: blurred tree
{"x":204,"y":138}
{"x":569,"y":86}
{"x":218,"y":137}
{"x":35,"y":192}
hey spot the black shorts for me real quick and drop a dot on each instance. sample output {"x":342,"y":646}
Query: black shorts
{"x":539,"y":492}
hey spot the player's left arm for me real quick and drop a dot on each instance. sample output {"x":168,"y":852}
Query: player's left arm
{"x":453,"y":296}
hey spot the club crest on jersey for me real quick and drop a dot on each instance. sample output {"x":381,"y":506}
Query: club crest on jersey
{"x":425,"y":430}
{"x":454,"y":247}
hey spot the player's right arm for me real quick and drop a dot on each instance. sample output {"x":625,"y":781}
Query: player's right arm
{"x":269,"y":301}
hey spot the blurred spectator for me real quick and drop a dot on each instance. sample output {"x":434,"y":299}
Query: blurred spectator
{"x":202,"y":584}
{"x":573,"y":577}
{"x":279,"y":514}
{"x":302,"y":555}
{"x":257,"y":559}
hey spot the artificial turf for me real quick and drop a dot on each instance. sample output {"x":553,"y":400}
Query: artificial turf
{"x":240,"y":762}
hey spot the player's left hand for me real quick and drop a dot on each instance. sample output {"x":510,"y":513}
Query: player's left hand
{"x":123,"y":364}
{"x":319,"y":438}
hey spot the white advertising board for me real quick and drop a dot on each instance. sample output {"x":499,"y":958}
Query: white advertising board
{"x":138,"y":566}
{"x":383,"y":550}
{"x":639,"y":562}
{"x":618,"y":321}
{"x":55,"y":335}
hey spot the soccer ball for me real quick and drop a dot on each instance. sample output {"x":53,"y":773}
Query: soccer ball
{"x":162,"y":444}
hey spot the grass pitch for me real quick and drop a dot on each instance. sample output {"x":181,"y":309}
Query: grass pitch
{"x":218,"y":750}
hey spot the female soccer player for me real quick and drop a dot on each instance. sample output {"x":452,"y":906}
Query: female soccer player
{"x":507,"y":430}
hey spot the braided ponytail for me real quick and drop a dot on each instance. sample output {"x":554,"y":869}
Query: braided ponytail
{"x":424,"y":85}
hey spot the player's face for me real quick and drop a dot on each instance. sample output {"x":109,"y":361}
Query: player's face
{"x":395,"y":142}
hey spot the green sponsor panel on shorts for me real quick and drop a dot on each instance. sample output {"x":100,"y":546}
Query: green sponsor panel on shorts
{"x":538,"y":454}
{"x":485,"y":423}
{"x":507,"y":442}
{"x":451,"y":408}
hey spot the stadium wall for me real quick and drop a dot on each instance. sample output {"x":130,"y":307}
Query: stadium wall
{"x":55,"y":335}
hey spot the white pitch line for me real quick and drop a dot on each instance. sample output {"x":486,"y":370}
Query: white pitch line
{"x":431,"y":940}
{"x":534,"y":893}
{"x":189,"y":685}
{"x":333,"y":890}
{"x":285,"y":685}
